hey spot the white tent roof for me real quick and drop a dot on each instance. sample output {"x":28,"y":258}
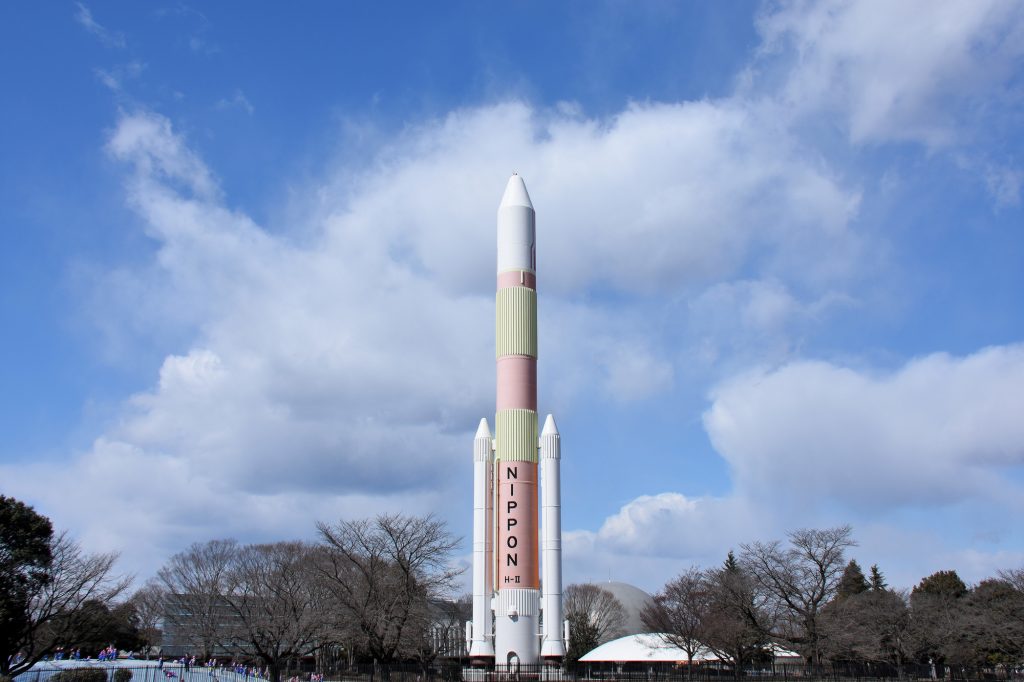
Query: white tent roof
{"x":646,"y":647}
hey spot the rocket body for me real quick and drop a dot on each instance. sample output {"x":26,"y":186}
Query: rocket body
{"x":512,"y":544}
{"x":517,"y":605}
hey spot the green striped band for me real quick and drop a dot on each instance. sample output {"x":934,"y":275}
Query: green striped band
{"x":516,"y":435}
{"x":516,"y":331}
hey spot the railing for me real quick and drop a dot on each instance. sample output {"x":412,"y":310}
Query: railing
{"x":152,"y":671}
{"x":141,"y":671}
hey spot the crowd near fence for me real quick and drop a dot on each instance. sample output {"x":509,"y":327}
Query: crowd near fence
{"x":455,"y":671}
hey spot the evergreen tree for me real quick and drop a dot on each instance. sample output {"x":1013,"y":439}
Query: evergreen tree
{"x":47,"y":586}
{"x":25,"y":560}
{"x":937,"y":611}
{"x":733,"y":628}
{"x":942,"y":583}
{"x":595,"y":616}
{"x":852,"y":582}
{"x":877,"y":579}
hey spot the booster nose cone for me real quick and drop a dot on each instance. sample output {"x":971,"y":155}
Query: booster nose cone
{"x":483,"y":431}
{"x":549,"y":427}
{"x":515,"y":193}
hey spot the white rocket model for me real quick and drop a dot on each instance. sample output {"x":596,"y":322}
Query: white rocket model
{"x":507,"y":552}
{"x":552,"y":646}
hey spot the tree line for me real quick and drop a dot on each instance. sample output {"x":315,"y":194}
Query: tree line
{"x":376,"y":588}
{"x":804,"y":596}
{"x":380,"y":589}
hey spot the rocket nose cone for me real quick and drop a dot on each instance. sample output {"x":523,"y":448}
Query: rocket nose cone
{"x":515,"y":193}
{"x":483,"y":431}
{"x":549,"y":427}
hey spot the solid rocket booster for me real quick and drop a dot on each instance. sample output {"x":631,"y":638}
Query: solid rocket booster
{"x":506,"y":554}
{"x":481,"y":645}
{"x":553,"y":646}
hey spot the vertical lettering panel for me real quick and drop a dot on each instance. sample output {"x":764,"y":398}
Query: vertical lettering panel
{"x":517,"y":549}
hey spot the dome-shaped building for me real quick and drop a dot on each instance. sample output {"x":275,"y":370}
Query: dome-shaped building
{"x":633,"y":601}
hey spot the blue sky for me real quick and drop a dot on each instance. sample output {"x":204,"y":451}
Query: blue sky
{"x":247,"y":268}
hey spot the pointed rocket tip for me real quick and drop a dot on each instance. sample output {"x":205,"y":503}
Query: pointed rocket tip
{"x":549,"y":427}
{"x":483,"y":431}
{"x":515,"y":193}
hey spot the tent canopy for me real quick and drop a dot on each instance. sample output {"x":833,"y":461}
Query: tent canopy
{"x":649,"y":647}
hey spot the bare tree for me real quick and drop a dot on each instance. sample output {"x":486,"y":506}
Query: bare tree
{"x":440,"y":630}
{"x":382,"y":572}
{"x":992,"y":626}
{"x":59,"y":607}
{"x":149,"y":602}
{"x":1015,"y":577}
{"x":195,"y":584}
{"x":937,"y":604}
{"x":737,"y":618}
{"x":277,"y":602}
{"x":798,"y":582}
{"x":450,"y":625}
{"x":1010,"y":611}
{"x":952,"y":624}
{"x":873,"y":625}
{"x":595,"y":616}
{"x":679,"y":613}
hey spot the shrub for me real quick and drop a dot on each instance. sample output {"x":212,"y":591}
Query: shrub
{"x":122,"y":675}
{"x":80,"y":675}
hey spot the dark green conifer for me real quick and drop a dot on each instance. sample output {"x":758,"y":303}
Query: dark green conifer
{"x":853,"y":581}
{"x":877,"y":579}
{"x":942,"y":583}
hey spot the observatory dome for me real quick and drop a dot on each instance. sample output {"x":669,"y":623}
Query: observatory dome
{"x":633,"y":601}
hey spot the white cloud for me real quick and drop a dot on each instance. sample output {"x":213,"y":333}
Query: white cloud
{"x":109,"y":38}
{"x":916,"y":71}
{"x":354,"y":364}
{"x":114,"y":78}
{"x":340,"y":367}
{"x":938,"y":430}
{"x":238,"y":100}
{"x":634,"y":373}
{"x":159,"y":156}
{"x":656,"y":196}
{"x":736,"y":323}
{"x":1004,"y":184}
{"x":815,"y":444}
{"x":653,"y":537}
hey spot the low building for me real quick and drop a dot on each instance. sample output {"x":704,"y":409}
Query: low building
{"x":644,"y":648}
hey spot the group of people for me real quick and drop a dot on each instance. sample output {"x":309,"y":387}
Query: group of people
{"x":108,"y":654}
{"x":313,"y":677}
{"x":241,"y":669}
{"x":248,"y":670}
{"x":73,"y":654}
{"x":189,"y":662}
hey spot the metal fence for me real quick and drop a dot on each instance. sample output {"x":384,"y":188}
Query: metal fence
{"x":142,"y":672}
{"x":713,"y":671}
{"x":454,"y":671}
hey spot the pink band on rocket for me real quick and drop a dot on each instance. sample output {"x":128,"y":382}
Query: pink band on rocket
{"x":517,"y":383}
{"x":517,"y":278}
